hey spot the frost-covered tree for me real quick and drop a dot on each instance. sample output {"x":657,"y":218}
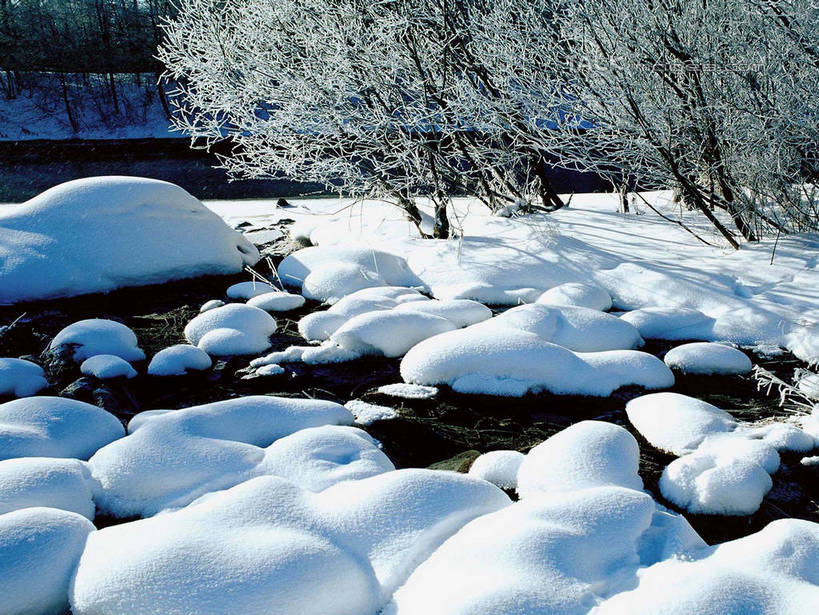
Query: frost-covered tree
{"x":711,"y":97}
{"x":374,"y":98}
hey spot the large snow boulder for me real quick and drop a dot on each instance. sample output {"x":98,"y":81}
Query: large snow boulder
{"x":45,"y":481}
{"x":21,"y":378}
{"x":388,"y":332}
{"x":172,"y":457}
{"x":101,"y":233}
{"x":266,"y":546}
{"x":55,"y":427}
{"x":578,"y":294}
{"x":39,"y":551}
{"x":707,"y":358}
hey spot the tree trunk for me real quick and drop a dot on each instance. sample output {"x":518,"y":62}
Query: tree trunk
{"x":71,"y":119}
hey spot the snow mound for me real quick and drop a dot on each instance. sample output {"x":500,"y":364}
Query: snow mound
{"x":178,"y":360}
{"x":367,"y":414}
{"x":54,"y":427}
{"x":499,"y":468}
{"x":266,"y":544}
{"x":331,"y":282}
{"x":388,"y":332}
{"x":21,"y":378}
{"x":233,"y":329}
{"x":172,"y":457}
{"x":773,"y":571}
{"x":408,"y":391}
{"x":101,"y":233}
{"x":390,"y":268}
{"x":707,"y":358}
{"x":319,"y":326}
{"x":667,"y":323}
{"x":586,"y":454}
{"x":676,"y":423}
{"x":292,"y":354}
{"x":559,"y":554}
{"x":212,"y":304}
{"x":461,"y":312}
{"x":510,"y":362}
{"x":715,"y":483}
{"x":42,"y":481}
{"x":576,"y":328}
{"x":107,"y":366}
{"x":578,"y":294}
{"x":40,"y":549}
{"x":248,"y":290}
{"x":271,"y":369}
{"x":277,"y":301}
{"x":94,"y":336}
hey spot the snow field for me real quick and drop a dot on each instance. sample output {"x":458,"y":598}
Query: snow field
{"x":101,"y":233}
{"x":21,"y":378}
{"x":54,"y":427}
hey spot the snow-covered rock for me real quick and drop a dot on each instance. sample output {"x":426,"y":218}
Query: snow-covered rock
{"x":234,"y":329}
{"x":773,"y":571}
{"x":706,"y":358}
{"x":715,"y":483}
{"x":576,"y":328}
{"x":564,"y":553}
{"x":172,"y":457}
{"x":367,"y":414}
{"x":586,"y":454}
{"x":292,"y":354}
{"x":27,"y":482}
{"x":211,"y":305}
{"x":332,"y":281}
{"x":671,"y":323}
{"x":94,"y":336}
{"x":498,"y":467}
{"x":54,"y":427}
{"x":677,"y":423}
{"x":248,"y":290}
{"x":579,"y":294}
{"x":267,"y":546}
{"x":388,"y":332}
{"x":390,"y":268}
{"x":408,"y":391}
{"x":511,"y":362}
{"x":39,"y":551}
{"x":178,"y":360}
{"x":107,"y":366}
{"x":321,"y":325}
{"x":461,"y":312}
{"x":101,"y":233}
{"x":21,"y":378}
{"x":277,"y":301}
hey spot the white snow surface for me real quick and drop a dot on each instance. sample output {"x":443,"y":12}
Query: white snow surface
{"x":461,"y":312}
{"x":107,"y":366}
{"x":498,"y":467}
{"x":211,"y":305}
{"x":233,"y":329}
{"x":586,"y":454}
{"x":40,"y":549}
{"x":366,"y":413}
{"x":388,"y":332}
{"x":707,"y":358}
{"x":408,"y":391}
{"x":268,"y":546}
{"x":98,"y":336}
{"x":707,"y":293}
{"x":55,"y":427}
{"x":178,"y":360}
{"x":579,"y":294}
{"x":172,"y":457}
{"x":101,"y":233}
{"x":21,"y":378}
{"x":248,"y":290}
{"x":27,"y":482}
{"x":277,"y":301}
